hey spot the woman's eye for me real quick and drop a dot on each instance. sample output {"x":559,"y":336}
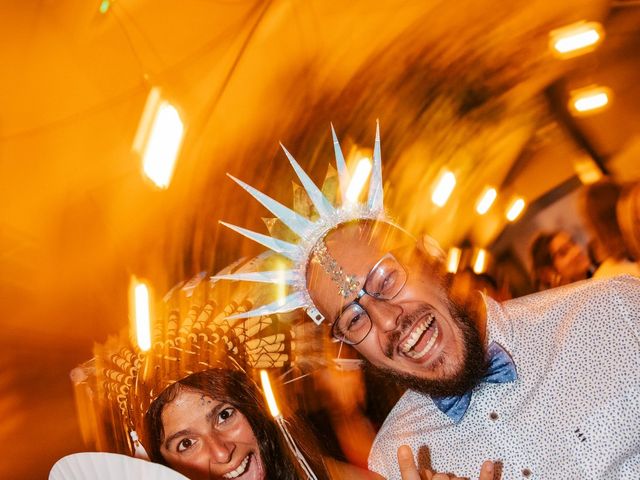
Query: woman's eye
{"x":225,"y":414}
{"x":185,"y":444}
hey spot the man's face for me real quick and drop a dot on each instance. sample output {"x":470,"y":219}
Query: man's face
{"x":415,"y":335}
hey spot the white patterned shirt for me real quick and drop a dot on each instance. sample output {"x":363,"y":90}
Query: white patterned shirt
{"x":573,"y":412}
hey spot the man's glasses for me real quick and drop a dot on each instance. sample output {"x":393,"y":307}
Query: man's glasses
{"x":384,"y":282}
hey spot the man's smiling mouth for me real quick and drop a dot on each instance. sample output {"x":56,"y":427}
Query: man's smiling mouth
{"x":420,"y":339}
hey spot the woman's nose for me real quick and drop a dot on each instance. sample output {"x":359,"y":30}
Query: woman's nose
{"x":220,"y":450}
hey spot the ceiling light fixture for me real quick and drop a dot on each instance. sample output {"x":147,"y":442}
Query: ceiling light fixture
{"x":159,"y":138}
{"x":576,"y":39}
{"x":588,"y":100}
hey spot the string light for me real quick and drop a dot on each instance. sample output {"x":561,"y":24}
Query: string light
{"x":443,"y":189}
{"x":453,"y":259}
{"x":141,"y":313}
{"x":515,"y":209}
{"x":480,"y":262}
{"x":280,"y":421}
{"x":487,"y":199}
{"x":360,"y":176}
{"x":268,"y":394}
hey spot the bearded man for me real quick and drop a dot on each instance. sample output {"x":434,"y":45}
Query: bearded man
{"x":548,"y":384}
{"x":567,"y":359}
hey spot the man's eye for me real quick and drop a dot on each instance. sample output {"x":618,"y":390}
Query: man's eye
{"x":225,"y":414}
{"x":354,"y":322}
{"x":385,"y":284}
{"x":185,"y":444}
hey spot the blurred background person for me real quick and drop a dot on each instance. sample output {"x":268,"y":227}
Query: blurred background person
{"x":628,"y":214}
{"x":599,"y":208}
{"x":558,"y":260}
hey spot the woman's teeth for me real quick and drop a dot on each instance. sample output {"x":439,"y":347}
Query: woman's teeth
{"x":416,"y":334}
{"x":240,"y":470}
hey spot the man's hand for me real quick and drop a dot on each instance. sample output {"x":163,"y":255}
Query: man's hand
{"x":409,"y":471}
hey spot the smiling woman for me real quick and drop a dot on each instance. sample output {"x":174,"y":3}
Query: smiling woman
{"x":215,"y":424}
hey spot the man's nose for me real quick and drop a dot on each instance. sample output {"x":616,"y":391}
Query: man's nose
{"x":383,"y":314}
{"x":220,"y":449}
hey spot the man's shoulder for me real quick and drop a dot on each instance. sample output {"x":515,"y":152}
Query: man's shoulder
{"x":412,"y":409}
{"x":408,"y":420}
{"x":581,"y":293}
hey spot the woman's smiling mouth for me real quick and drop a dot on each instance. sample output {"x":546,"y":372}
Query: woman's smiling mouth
{"x":240,"y":469}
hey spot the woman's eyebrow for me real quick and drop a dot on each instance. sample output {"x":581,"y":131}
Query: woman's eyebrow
{"x":172,"y":437}
{"x":214,"y":411}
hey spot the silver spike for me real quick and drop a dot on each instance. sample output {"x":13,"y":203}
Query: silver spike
{"x":297,"y":223}
{"x":323,"y":206}
{"x":287,"y":249}
{"x":343,"y":173}
{"x":375,"y":200}
{"x":274,"y":276}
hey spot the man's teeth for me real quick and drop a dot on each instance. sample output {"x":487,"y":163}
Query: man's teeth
{"x":238,"y":471}
{"x":415,"y":336}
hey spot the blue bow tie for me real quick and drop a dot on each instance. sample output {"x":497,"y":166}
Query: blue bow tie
{"x":500,"y":369}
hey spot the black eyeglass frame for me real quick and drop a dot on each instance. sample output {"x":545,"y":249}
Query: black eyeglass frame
{"x":362,"y":293}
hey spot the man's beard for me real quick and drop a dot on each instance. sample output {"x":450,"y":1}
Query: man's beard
{"x":469,"y":374}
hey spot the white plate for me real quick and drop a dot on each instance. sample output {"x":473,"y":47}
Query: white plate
{"x":109,"y":466}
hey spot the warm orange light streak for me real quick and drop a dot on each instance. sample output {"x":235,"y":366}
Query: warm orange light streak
{"x":268,"y":394}
{"x":576,"y":39}
{"x":480,"y":263}
{"x":443,"y":189}
{"x":453,"y":259}
{"x":487,"y":199}
{"x":159,"y":138}
{"x":141,"y":313}
{"x":515,"y":209}
{"x":358,"y":180}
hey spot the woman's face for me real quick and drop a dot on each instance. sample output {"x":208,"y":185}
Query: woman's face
{"x":569,"y":259}
{"x":208,"y":439}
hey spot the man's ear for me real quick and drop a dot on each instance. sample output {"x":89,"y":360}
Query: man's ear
{"x":431,"y":247}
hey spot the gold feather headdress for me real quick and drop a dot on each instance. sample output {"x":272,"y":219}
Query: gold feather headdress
{"x":192,"y":333}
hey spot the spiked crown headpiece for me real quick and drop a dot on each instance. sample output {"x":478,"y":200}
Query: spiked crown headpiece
{"x":310,"y":233}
